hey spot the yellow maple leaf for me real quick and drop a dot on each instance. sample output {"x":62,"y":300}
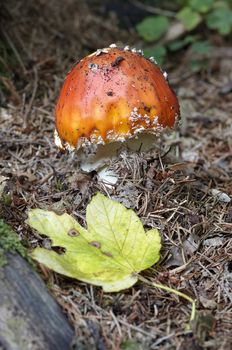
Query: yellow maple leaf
{"x":109,"y":253}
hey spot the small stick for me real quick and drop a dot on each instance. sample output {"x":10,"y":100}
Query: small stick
{"x":17,"y":55}
{"x":25,"y":119}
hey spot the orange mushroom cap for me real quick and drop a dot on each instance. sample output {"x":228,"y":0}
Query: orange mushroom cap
{"x":112,"y":95}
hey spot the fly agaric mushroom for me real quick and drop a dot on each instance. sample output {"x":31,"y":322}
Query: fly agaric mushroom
{"x":110,"y":97}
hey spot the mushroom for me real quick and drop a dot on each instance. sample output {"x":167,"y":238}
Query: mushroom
{"x":112,"y":99}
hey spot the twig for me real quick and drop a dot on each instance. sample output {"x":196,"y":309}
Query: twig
{"x":152,"y":9}
{"x":135,"y":328}
{"x":161,"y":340}
{"x":116,"y":321}
{"x":25,"y":118}
{"x":45,"y":178}
{"x":17,"y":55}
{"x":11,"y":88}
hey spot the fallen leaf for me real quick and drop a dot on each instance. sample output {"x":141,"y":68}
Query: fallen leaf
{"x":221,"y":196}
{"x":80,"y":181}
{"x":109,"y":253}
{"x":207,"y":302}
{"x":213,"y":242}
{"x":189,"y":247}
{"x":175,"y":259}
{"x":191,"y":244}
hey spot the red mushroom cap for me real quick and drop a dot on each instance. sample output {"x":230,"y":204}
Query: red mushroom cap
{"x":112,"y":95}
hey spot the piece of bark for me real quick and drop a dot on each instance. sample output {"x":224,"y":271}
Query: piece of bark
{"x":30,"y":319}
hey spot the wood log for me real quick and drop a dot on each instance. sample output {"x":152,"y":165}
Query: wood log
{"x":30,"y":319}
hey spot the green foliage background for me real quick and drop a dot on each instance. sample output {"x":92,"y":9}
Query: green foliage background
{"x":199,"y":19}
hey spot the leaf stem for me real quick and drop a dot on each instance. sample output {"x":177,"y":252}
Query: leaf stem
{"x":174,"y":291}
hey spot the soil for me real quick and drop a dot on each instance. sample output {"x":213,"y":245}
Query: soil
{"x":184,"y":189}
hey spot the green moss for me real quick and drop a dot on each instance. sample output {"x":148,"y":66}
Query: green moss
{"x":9,"y":242}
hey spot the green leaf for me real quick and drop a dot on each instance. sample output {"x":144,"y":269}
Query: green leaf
{"x":202,"y":6}
{"x":197,"y":65}
{"x":179,"y":44}
{"x":201,"y":47}
{"x":109,"y":253}
{"x":152,"y":27}
{"x":157,"y":51}
{"x":189,"y":18}
{"x":220,"y":19}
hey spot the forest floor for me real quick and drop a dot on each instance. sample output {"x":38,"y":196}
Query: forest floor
{"x":185,"y":192}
